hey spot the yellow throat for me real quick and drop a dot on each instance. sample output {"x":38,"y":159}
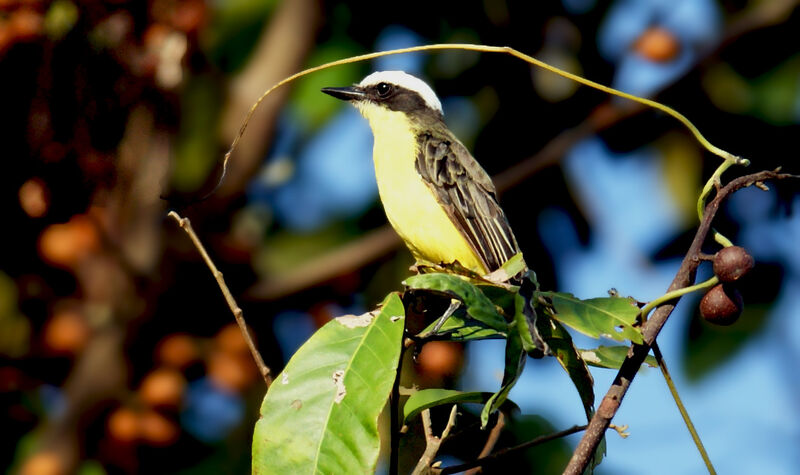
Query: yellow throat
{"x":410,"y":205}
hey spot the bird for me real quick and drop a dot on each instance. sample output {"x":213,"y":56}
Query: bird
{"x":436,"y":195}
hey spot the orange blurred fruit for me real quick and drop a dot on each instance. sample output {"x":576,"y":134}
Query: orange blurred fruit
{"x":177,"y":351}
{"x":230,"y":340}
{"x":67,"y":332}
{"x":67,"y":244}
{"x":162,"y":387}
{"x":156,"y":429}
{"x":44,"y":463}
{"x":123,"y":425}
{"x":188,"y":15}
{"x":33,"y":198}
{"x":657,"y":44}
{"x":6,"y":36}
{"x":439,"y":359}
{"x":26,"y":23}
{"x":230,"y":371}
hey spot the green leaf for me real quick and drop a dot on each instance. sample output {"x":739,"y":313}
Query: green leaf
{"x":610,"y":357}
{"x":522,"y":325}
{"x":560,"y":342}
{"x":515,"y":362}
{"x":459,"y":328}
{"x":509,"y":269}
{"x":427,"y":398}
{"x":321,"y":413}
{"x":501,"y":297}
{"x":515,"y":265}
{"x":478,"y":305}
{"x":611,"y":317}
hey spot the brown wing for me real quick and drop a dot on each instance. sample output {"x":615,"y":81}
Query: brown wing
{"x":468,"y":196}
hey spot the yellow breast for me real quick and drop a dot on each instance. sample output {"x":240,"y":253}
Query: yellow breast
{"x":409,"y":203}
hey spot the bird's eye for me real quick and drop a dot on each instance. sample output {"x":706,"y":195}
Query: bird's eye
{"x":384,"y":89}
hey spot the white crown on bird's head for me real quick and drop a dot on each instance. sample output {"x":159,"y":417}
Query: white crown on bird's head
{"x":407,"y":81}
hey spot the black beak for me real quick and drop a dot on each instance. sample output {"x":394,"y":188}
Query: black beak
{"x":353,"y":93}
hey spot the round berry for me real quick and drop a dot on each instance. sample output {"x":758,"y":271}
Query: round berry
{"x":731,"y":263}
{"x":658,"y":44}
{"x":722,"y":305}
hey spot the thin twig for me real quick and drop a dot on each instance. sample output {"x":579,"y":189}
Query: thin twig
{"x":650,"y":329}
{"x":432,"y":443}
{"x":505,"y":452}
{"x":491,"y":441}
{"x":238,"y":314}
{"x":684,"y":413}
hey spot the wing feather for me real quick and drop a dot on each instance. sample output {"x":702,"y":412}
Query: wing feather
{"x":468,"y":196}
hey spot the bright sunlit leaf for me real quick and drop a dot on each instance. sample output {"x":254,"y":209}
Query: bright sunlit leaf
{"x":321,"y":413}
{"x":610,"y":317}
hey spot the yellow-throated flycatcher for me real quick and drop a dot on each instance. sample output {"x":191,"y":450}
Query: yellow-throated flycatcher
{"x":435,"y":194}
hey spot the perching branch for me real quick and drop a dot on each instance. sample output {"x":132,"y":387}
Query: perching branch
{"x":502,"y":453}
{"x":650,"y":329}
{"x":432,"y":443}
{"x":238,"y":314}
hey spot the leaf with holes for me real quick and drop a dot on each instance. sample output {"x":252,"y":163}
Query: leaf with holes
{"x":610,"y":317}
{"x":321,"y":413}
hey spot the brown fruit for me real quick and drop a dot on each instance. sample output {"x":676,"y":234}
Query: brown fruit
{"x":44,"y":463}
{"x":722,"y":305}
{"x":123,"y":425}
{"x":177,"y":351}
{"x":67,"y":332}
{"x":26,"y":23}
{"x":158,"y":430}
{"x":67,"y":244}
{"x":230,"y":340}
{"x":439,"y":359}
{"x":657,"y":44}
{"x":731,"y":263}
{"x":189,"y":15}
{"x":230,"y":371}
{"x":34,"y":198}
{"x":162,"y":388}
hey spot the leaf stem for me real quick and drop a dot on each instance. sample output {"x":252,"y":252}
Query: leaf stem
{"x":714,"y":183}
{"x":725,"y":155}
{"x":675,"y":294}
{"x":684,"y":413}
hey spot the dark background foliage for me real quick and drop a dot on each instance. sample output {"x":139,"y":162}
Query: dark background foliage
{"x":117,"y":354}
